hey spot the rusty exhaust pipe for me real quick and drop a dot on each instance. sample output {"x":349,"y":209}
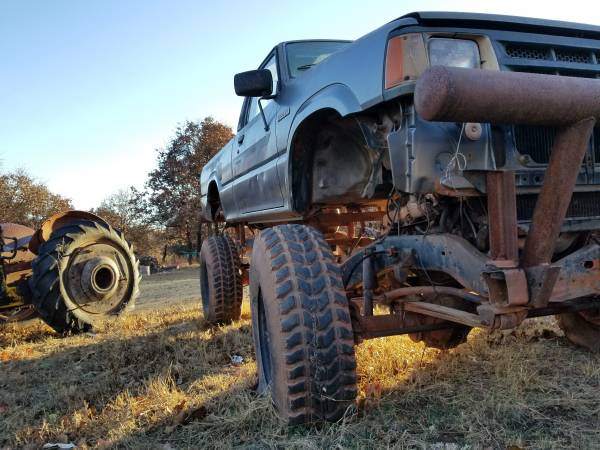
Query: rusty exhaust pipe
{"x":451,"y":94}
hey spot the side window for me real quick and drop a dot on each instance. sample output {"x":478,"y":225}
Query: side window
{"x":253,"y":107}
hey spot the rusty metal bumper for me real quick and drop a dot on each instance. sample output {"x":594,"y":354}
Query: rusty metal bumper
{"x":521,"y":280}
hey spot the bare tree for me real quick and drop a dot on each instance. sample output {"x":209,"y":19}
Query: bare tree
{"x":172,"y":194}
{"x":27,"y":201}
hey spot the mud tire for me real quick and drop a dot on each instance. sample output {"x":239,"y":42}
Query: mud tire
{"x":581,"y":330}
{"x":50,"y":269}
{"x":220,"y":280}
{"x":301,"y":326}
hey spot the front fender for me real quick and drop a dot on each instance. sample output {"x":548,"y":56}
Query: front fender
{"x":336,"y":97}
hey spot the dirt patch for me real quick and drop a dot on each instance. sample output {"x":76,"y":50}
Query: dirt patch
{"x":163,"y":379}
{"x":178,"y":287}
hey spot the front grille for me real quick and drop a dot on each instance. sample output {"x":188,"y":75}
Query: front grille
{"x":527,"y":52}
{"x":551,"y":59}
{"x":537,"y":142}
{"x":584,"y":205}
{"x":574,"y":56}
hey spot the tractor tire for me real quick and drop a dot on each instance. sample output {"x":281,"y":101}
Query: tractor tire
{"x":84,"y":273}
{"x":220,"y":280}
{"x":301,"y":326}
{"x":582,"y":328}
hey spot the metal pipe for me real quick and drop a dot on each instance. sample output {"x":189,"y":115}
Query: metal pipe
{"x":560,"y":178}
{"x":502,"y":217}
{"x":431,"y":290}
{"x":408,"y":330}
{"x":563,"y":307}
{"x":452,"y":94}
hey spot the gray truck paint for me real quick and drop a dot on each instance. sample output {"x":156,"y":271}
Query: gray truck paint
{"x":253,"y":178}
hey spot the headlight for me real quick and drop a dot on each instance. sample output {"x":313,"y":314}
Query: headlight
{"x":454,"y":53}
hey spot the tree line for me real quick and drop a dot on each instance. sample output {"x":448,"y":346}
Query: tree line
{"x":159,"y":218}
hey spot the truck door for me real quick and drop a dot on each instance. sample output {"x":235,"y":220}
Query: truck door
{"x":257,"y":186}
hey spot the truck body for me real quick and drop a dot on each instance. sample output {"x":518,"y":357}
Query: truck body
{"x":276,"y":175}
{"x":445,"y":167}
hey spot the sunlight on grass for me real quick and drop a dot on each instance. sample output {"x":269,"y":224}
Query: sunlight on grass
{"x":166,"y":377}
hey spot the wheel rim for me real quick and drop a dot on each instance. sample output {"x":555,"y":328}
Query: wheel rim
{"x":99,"y":277}
{"x":264,"y":341}
{"x":204,"y":288}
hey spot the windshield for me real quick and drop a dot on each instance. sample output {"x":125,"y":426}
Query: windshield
{"x":302,"y":56}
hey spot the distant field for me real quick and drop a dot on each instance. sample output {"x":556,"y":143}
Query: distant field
{"x":179,"y":287}
{"x":161,"y":378}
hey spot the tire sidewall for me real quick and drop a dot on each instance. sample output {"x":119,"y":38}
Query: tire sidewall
{"x":207,"y":287}
{"x":262,"y":282}
{"x":580,"y":331}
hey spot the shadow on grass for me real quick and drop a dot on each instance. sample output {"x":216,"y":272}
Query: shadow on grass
{"x":523,"y":388}
{"x":42,"y":397}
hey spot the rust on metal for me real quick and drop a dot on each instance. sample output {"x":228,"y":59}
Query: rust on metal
{"x":502,"y":317}
{"x":392,"y":325}
{"x":473,"y":95}
{"x":445,"y":313}
{"x":507,"y":286}
{"x":502,"y":218}
{"x":16,"y":240}
{"x":560,"y":178}
{"x":541,"y":280}
{"x":399,"y":293}
{"x":58,"y":221}
{"x":333,"y":219}
{"x":504,"y":97}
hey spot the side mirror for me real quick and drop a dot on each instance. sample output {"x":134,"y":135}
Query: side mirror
{"x":254,"y":83}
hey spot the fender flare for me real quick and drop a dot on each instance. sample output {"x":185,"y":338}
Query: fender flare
{"x":205,"y":211}
{"x":336,"y":97}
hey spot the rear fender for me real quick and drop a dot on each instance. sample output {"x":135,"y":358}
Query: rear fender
{"x":61,"y":220}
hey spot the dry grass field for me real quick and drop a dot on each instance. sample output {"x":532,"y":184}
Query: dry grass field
{"x":161,"y":378}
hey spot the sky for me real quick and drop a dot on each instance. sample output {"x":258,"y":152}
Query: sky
{"x":90,"y":89}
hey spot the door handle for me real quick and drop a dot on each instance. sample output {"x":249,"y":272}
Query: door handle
{"x":240,"y":138}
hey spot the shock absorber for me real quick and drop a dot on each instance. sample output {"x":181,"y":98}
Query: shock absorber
{"x":369,"y":281}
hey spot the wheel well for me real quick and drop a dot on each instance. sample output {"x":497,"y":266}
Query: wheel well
{"x":213,"y":199}
{"x":331,"y":161}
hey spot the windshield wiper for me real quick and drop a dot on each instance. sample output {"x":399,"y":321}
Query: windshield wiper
{"x":305,"y":66}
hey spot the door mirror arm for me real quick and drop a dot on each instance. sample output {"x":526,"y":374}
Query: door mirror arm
{"x":262,"y":112}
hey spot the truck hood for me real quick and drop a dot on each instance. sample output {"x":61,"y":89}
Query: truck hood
{"x":500,"y":22}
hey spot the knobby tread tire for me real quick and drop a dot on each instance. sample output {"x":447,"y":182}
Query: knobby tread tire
{"x":221,"y":277}
{"x":294,"y":277}
{"x":580,"y":331}
{"x":48,"y":296}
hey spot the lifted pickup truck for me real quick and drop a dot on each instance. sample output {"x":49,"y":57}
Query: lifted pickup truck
{"x":445,"y":167}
